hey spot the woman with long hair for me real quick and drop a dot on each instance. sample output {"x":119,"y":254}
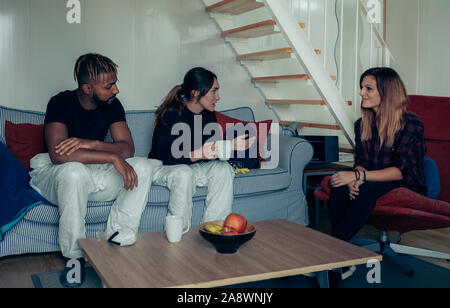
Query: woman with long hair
{"x":184,"y":139}
{"x":389,"y":153}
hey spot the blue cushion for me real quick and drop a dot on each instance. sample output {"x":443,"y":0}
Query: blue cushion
{"x":432,"y":178}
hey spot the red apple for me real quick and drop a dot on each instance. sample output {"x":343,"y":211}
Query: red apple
{"x":236,"y":221}
{"x":228,"y":231}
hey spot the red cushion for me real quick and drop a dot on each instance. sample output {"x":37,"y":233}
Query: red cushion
{"x":405,"y":198}
{"x":433,"y":111}
{"x":264,"y":127}
{"x":24,"y":141}
{"x":401,"y":210}
{"x":388,"y":218}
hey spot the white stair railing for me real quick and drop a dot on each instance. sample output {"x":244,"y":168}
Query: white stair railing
{"x":336,"y":39}
{"x":304,"y":52}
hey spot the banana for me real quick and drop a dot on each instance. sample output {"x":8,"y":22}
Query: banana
{"x":242,"y":171}
{"x":213,"y":228}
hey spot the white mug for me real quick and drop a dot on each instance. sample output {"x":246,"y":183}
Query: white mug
{"x":223,"y":148}
{"x":174,"y":228}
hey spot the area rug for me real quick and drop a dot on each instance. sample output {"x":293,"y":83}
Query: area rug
{"x":426,"y":275}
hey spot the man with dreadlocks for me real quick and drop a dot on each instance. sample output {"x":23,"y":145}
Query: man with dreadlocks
{"x":80,"y":166}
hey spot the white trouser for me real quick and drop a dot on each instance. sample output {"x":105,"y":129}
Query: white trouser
{"x":181,"y":180}
{"x":72,"y":185}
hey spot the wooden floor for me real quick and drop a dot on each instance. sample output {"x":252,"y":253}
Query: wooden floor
{"x":15,"y":271}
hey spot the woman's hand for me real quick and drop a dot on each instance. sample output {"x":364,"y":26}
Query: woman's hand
{"x":342,"y":178}
{"x":207,"y":152}
{"x":241,"y":143}
{"x":353,"y":189}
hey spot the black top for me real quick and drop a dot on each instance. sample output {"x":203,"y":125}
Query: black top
{"x":81,"y":123}
{"x":407,"y":152}
{"x":184,"y":132}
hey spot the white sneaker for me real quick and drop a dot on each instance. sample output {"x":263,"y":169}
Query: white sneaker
{"x":348,"y":272}
{"x":124,"y":237}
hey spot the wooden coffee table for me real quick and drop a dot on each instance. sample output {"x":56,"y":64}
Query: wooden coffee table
{"x":279,"y":248}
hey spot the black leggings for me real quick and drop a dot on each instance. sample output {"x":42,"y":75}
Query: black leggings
{"x":349,"y":216}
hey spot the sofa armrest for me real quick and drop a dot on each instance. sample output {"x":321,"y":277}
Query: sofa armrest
{"x":295,"y":154}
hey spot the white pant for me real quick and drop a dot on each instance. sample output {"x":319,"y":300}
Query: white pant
{"x":72,"y":185}
{"x":182,"y":180}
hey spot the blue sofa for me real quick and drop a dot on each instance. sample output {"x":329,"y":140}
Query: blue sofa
{"x":259,"y":195}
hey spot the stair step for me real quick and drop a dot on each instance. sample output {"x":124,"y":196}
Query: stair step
{"x":234,"y":7}
{"x":299,"y":102}
{"x":313,"y":125}
{"x":281,"y":53}
{"x":346,"y":150}
{"x":294,"y":102}
{"x":284,"y":77}
{"x":258,"y":29}
{"x":280,"y":78}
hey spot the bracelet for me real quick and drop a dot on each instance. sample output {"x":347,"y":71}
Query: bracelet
{"x":364,"y":172}
{"x":357,"y":174}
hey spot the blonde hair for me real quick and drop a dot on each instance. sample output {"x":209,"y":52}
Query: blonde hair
{"x":390,"y":117}
{"x":90,"y":66}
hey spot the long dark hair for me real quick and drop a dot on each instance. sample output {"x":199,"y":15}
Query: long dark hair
{"x":196,"y":79}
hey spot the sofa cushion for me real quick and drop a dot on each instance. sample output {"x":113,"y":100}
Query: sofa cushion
{"x":25,"y":141}
{"x":258,"y":129}
{"x":257,"y":181}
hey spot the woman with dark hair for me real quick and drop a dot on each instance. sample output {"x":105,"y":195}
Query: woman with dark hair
{"x":389,"y":153}
{"x":184,"y":137}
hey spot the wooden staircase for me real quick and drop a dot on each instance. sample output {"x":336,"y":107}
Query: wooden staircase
{"x":285,"y":108}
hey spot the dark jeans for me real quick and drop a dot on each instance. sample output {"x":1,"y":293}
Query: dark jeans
{"x":349,"y":216}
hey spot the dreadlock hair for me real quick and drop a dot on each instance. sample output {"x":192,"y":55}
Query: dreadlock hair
{"x":90,"y":66}
{"x":196,"y":79}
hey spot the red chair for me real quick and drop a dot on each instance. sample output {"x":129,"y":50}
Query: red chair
{"x":400,"y":210}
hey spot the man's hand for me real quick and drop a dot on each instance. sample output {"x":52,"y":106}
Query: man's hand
{"x":130,"y":178}
{"x":70,"y":145}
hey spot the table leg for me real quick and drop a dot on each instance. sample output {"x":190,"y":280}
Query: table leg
{"x":322,"y":279}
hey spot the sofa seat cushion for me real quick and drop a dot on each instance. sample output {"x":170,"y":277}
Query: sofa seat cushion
{"x":257,"y":181}
{"x":48,"y":214}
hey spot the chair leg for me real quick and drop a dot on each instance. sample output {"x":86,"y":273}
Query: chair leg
{"x":420,"y":252}
{"x":362,"y":241}
{"x":317,"y":214}
{"x":395,"y":239}
{"x":388,"y":251}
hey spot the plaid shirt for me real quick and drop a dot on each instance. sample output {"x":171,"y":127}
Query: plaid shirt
{"x":406,"y":154}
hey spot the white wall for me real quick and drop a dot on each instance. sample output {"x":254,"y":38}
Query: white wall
{"x":434,"y":48}
{"x":418,"y":35}
{"x":154,"y":42}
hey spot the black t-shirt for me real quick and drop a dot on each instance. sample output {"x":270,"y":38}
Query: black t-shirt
{"x":202,"y":128}
{"x":81,"y":123}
